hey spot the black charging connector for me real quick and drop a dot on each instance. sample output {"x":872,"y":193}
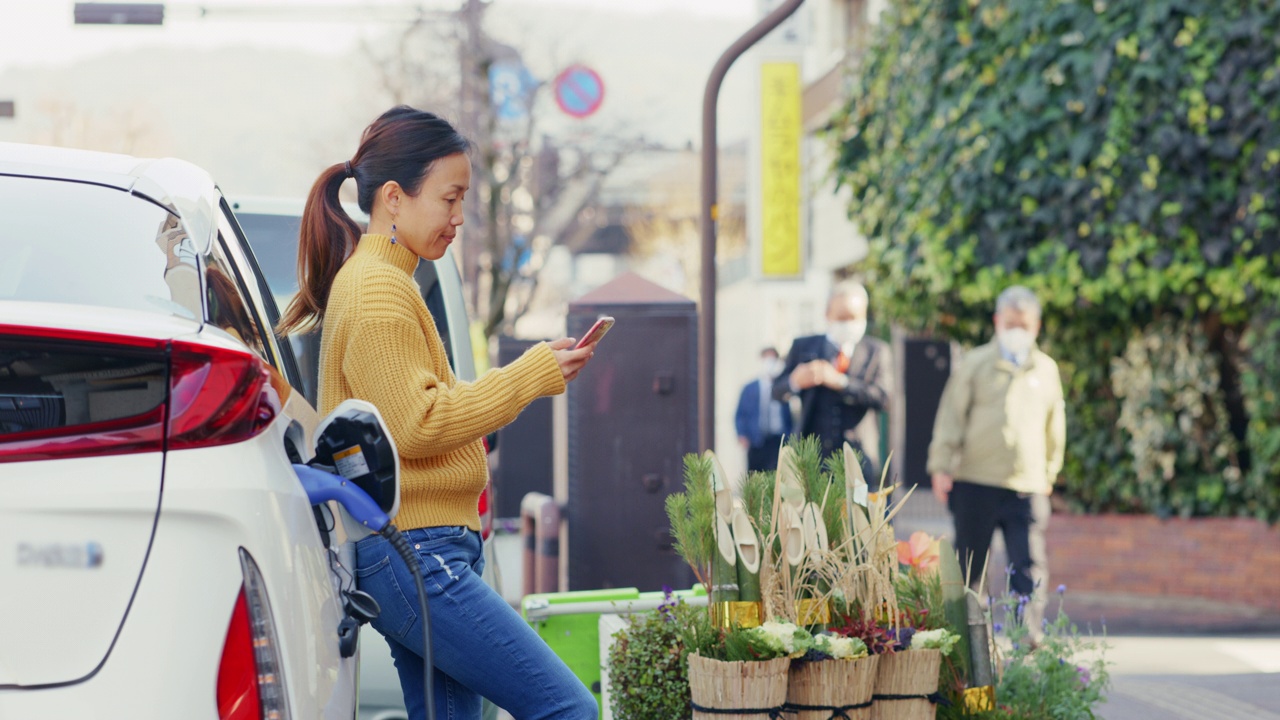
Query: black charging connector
{"x":355,"y":446}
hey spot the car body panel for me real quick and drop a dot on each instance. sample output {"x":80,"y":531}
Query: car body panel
{"x":212,"y":502}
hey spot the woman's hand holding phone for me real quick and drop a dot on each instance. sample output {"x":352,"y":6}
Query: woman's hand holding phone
{"x":572,"y":359}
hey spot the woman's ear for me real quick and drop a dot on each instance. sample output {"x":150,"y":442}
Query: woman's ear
{"x":391,"y":195}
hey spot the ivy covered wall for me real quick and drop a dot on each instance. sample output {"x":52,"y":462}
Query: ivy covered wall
{"x":1121,"y":158}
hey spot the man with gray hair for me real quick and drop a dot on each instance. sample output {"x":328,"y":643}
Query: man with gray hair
{"x":997,"y":449}
{"x":843,"y":378}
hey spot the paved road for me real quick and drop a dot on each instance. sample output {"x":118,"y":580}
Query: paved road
{"x":1194,"y":678}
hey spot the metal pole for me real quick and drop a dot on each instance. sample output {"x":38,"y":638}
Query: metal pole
{"x":710,"y":214}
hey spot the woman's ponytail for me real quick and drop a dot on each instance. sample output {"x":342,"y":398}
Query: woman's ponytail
{"x":400,"y":146}
{"x":327,"y":236}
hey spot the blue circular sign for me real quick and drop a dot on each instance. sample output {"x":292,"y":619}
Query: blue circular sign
{"x":579,"y":90}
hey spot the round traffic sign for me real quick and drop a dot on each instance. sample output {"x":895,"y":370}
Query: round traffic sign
{"x":579,"y":90}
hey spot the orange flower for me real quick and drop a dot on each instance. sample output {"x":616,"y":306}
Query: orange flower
{"x":920,"y":552}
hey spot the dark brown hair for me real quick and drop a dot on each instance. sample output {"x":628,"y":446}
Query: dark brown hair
{"x":401,"y":145}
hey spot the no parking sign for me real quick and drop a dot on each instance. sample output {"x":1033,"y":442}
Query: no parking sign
{"x":579,"y":90}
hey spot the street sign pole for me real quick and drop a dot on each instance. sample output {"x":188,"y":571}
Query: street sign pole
{"x":710,"y":213}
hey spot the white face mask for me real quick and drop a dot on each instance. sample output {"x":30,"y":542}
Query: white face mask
{"x":1016,"y":341}
{"x":847,"y":332}
{"x":770,"y":367}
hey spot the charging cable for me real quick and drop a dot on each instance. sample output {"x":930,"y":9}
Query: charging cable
{"x":322,"y":487}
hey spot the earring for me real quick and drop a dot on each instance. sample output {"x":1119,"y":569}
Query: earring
{"x":393,"y":233}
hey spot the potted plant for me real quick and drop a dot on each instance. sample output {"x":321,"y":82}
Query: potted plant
{"x":835,"y":678}
{"x":741,"y":673}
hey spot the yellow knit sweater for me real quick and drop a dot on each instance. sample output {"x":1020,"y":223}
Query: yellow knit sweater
{"x":380,"y":344}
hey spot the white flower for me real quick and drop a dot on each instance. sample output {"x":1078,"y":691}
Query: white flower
{"x":784,"y":637}
{"x":940,"y":639}
{"x":840,"y":648}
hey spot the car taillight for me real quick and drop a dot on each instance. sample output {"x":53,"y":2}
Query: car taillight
{"x":251,"y":676}
{"x":485,"y":509}
{"x":79,"y":394}
{"x":238,"y":673}
{"x":217,"y":397}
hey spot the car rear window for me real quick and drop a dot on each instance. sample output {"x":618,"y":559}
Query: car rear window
{"x":69,"y":242}
{"x":50,"y":384}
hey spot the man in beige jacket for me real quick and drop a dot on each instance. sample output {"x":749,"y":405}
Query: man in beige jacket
{"x":997,"y":448}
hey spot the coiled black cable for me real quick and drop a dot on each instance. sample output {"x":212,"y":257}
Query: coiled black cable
{"x":402,"y":546}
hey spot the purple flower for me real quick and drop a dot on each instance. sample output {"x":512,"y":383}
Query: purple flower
{"x":1062,"y":589}
{"x":668,"y":606}
{"x":998,"y":627}
{"x":904,"y":637}
{"x":1082,"y":674}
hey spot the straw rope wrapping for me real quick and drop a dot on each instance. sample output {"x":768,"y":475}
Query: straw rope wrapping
{"x":832,"y":689}
{"x":737,"y":690}
{"x":905,"y":683}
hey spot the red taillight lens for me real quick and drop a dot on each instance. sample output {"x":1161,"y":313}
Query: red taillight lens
{"x":81,"y":394}
{"x":485,"y":508}
{"x":217,"y":397}
{"x":251,"y":675}
{"x":238,"y":673}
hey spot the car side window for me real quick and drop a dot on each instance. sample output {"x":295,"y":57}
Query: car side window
{"x":227,"y":306}
{"x":257,"y":294}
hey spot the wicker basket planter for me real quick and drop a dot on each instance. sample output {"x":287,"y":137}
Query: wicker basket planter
{"x":757,"y":688}
{"x":832,"y":688}
{"x":904,"y":683}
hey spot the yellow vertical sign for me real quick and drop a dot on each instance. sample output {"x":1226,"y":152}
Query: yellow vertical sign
{"x":781,"y":131}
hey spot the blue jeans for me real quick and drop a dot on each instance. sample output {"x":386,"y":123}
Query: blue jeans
{"x":479,"y":645}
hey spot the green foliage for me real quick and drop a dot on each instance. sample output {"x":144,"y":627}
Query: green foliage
{"x":648,"y":668}
{"x":757,"y":499}
{"x":1061,"y":678}
{"x":821,"y":485}
{"x":691,"y":514}
{"x":1260,"y":384}
{"x":1122,"y":159}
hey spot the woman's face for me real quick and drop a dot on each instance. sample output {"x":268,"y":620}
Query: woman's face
{"x":428,"y":222}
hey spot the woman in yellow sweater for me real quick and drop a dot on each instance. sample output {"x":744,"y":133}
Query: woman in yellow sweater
{"x":381,"y":345}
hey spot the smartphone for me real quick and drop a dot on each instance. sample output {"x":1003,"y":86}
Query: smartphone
{"x":596,"y":332}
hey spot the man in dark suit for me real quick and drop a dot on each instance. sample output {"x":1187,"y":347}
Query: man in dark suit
{"x":762,"y":422}
{"x":843,"y":378}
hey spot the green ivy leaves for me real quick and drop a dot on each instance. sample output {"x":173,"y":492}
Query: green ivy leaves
{"x":1120,"y":157}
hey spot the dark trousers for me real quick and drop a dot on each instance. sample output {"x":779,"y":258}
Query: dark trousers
{"x":1022,"y":518}
{"x":765,"y":457}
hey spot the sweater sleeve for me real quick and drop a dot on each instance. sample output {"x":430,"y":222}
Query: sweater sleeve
{"x":387,"y":363}
{"x":950,"y":422}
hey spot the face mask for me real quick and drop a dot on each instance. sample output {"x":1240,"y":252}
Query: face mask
{"x":847,"y":331}
{"x":1016,"y":341}
{"x":770,"y":367}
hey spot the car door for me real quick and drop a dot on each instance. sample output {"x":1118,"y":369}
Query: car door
{"x":233,"y":252}
{"x":278,"y":354}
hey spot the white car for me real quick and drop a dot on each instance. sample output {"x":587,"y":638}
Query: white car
{"x":158,"y":556}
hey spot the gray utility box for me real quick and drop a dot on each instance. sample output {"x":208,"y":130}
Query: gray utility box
{"x":522,"y":463}
{"x":632,"y":417}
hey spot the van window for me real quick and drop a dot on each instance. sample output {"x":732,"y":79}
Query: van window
{"x":274,"y":239}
